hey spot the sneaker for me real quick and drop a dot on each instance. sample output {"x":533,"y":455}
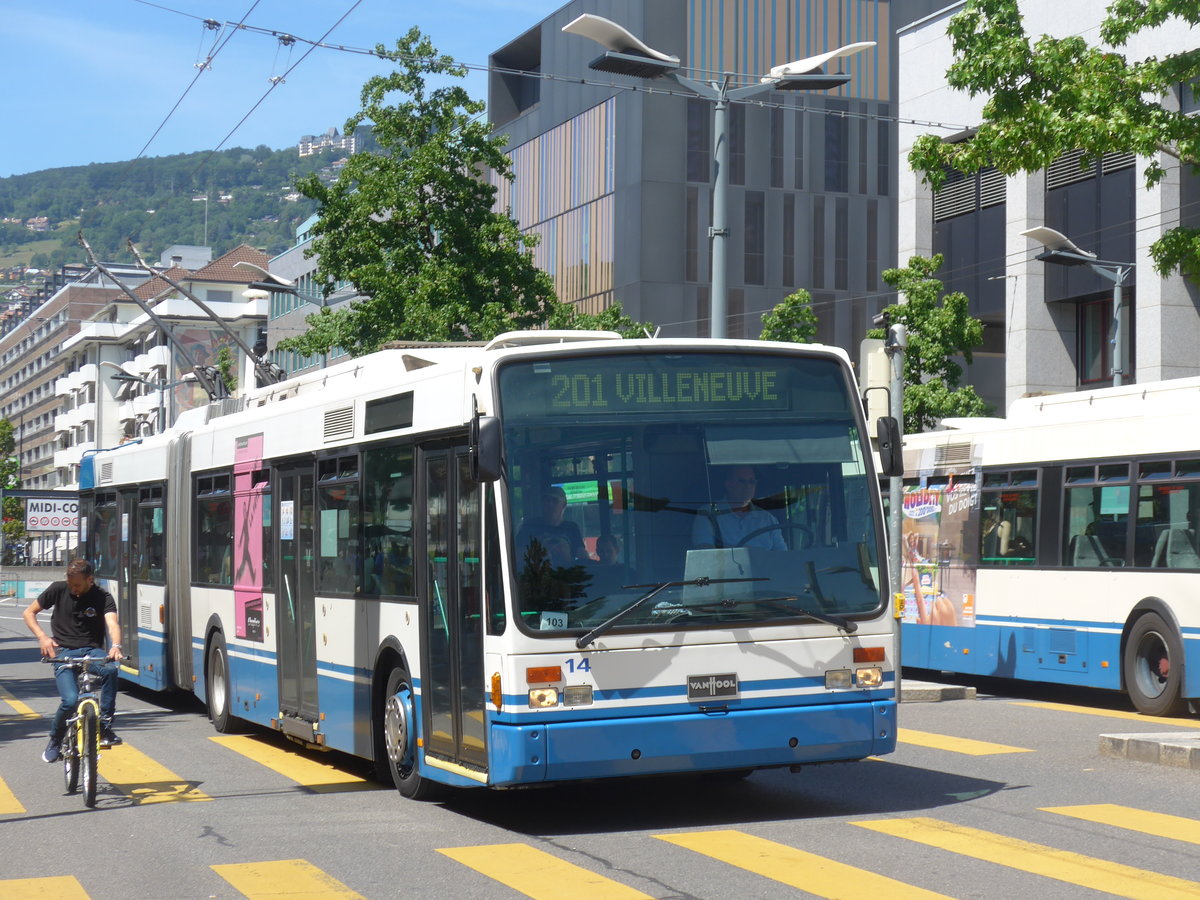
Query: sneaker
{"x":108,"y":737}
{"x":52,"y":753}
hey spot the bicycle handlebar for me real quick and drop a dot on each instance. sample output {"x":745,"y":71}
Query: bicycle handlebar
{"x":78,"y":662}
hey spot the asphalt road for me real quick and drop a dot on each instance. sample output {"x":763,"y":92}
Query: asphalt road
{"x":1000,"y":796}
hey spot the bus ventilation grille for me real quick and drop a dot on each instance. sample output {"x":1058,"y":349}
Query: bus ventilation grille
{"x":339,"y":423}
{"x":952,"y":455}
{"x":106,"y":474}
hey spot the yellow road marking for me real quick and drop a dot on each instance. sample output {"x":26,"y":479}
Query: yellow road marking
{"x":539,"y":875}
{"x":9,"y":804}
{"x":318,"y":777}
{"x":143,"y":780}
{"x":1157,"y":721}
{"x":1176,"y":828}
{"x":21,"y":709}
{"x":61,"y":887}
{"x":1061,"y":865}
{"x":806,"y":871}
{"x":294,"y":879}
{"x":954,"y":744}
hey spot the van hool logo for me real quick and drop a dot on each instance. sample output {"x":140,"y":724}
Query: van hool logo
{"x":705,"y":687}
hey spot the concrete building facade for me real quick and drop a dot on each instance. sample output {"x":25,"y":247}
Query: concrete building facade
{"x":614,"y":174}
{"x":1049,"y":329}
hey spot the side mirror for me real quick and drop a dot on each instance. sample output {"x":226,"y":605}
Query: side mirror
{"x":891,"y":453}
{"x":486,"y":454}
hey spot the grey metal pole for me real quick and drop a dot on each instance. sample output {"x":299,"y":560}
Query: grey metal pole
{"x":896,"y":343}
{"x":719,"y":232}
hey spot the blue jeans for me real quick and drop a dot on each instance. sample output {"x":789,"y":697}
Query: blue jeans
{"x":68,"y":689}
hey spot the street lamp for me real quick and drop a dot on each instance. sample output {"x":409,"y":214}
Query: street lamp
{"x":205,"y":200}
{"x":625,"y":54}
{"x":1061,"y":251}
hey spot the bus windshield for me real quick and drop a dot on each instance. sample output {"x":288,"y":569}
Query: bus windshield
{"x":731,"y":484}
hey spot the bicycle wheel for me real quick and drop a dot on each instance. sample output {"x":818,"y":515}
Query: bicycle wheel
{"x":70,"y":758}
{"x":89,"y":734}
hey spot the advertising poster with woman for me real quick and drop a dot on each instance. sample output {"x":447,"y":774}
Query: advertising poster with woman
{"x":940,"y":537}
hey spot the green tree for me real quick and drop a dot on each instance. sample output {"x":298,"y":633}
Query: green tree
{"x":412,"y":229}
{"x":13,"y":527}
{"x":1052,"y":95}
{"x":612,"y":318}
{"x":792,"y":319}
{"x":940,"y":327}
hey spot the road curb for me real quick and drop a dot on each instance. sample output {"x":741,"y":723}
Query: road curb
{"x":1180,"y":749}
{"x":931,"y":692}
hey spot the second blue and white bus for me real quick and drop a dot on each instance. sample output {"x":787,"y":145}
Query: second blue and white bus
{"x":1060,"y":544}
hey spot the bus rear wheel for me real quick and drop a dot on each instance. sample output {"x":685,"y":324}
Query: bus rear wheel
{"x":400,"y":737}
{"x":216,"y":672}
{"x":1153,"y":666}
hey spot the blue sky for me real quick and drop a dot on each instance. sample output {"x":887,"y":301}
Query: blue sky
{"x":91,"y":80}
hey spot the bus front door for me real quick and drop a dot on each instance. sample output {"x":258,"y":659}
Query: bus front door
{"x":295,"y":606}
{"x":127,"y":605}
{"x":452,"y":683}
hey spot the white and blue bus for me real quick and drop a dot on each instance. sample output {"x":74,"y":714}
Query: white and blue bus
{"x":1060,"y":544}
{"x":478,"y":565}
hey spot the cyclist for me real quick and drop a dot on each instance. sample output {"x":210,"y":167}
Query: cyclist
{"x":80,"y":614}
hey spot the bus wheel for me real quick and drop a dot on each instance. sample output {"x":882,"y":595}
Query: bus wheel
{"x":400,"y":737}
{"x":216,"y":672}
{"x":1153,"y":667}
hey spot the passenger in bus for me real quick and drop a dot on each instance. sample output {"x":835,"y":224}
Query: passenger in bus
{"x":738,"y":522}
{"x":608,"y":549}
{"x":551,"y":523}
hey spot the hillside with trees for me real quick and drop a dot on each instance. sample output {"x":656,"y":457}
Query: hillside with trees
{"x":251,"y":199}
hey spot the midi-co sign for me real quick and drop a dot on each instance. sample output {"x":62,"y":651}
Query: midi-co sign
{"x":51,"y":515}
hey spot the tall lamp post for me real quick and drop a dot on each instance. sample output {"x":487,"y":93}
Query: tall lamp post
{"x":1061,"y":251}
{"x":204,"y":200}
{"x":625,"y":54}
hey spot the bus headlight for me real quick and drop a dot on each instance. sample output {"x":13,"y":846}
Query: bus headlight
{"x":868,"y":678}
{"x":577,"y":695}
{"x":836,"y":679}
{"x":543,"y":697}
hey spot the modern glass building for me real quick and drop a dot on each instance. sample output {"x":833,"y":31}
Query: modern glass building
{"x":614,"y":174}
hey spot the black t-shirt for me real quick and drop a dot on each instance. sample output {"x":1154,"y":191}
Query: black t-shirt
{"x":77,"y":622}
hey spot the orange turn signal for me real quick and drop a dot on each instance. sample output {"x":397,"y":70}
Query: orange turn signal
{"x":497,"y":693}
{"x":543,"y":674}
{"x":868,"y":654}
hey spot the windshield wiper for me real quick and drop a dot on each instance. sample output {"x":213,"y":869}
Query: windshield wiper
{"x":828,"y":618}
{"x":655,"y":589}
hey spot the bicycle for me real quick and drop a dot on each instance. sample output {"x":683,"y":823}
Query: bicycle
{"x":81,"y":742}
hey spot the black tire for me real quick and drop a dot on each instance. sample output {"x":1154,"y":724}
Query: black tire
{"x":1153,"y":667}
{"x":70,"y":755}
{"x":89,"y":729}
{"x":397,"y":724}
{"x":216,"y":680}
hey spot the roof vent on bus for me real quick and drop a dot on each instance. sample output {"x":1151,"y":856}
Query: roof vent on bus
{"x":106,"y":473}
{"x":952,"y":455}
{"x":528,"y":338}
{"x":339,"y":423}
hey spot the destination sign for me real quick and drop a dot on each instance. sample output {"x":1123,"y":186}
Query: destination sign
{"x":638,"y":384}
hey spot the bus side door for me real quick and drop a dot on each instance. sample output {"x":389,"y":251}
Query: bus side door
{"x":452,"y":686}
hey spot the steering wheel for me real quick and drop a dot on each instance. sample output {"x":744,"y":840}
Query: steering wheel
{"x":805,"y":534}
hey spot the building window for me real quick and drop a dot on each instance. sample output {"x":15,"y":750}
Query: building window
{"x":699,"y":141}
{"x":777,"y":147}
{"x":798,"y":175}
{"x":1095,"y":351}
{"x":837,"y":145}
{"x":818,"y":243}
{"x":737,"y":144}
{"x":691,"y":252}
{"x":755,"y":249}
{"x":883,"y":149}
{"x":841,"y":243}
{"x":789,"y":240}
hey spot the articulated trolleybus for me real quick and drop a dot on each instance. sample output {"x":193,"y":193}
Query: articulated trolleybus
{"x":1060,"y":544}
{"x":512,"y":564}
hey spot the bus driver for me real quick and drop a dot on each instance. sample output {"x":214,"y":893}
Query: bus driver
{"x":738,"y":519}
